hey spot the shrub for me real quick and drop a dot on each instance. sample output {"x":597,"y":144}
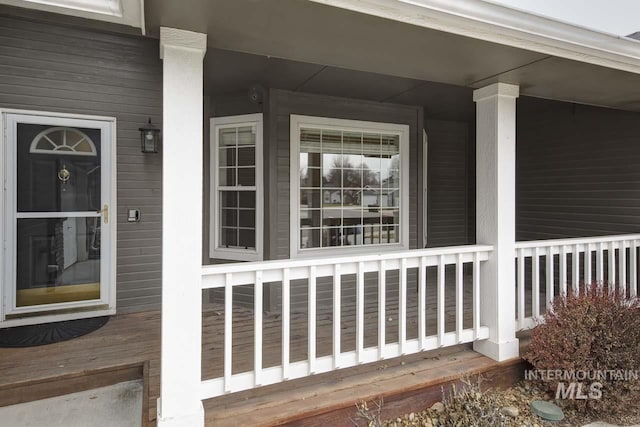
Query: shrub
{"x":594,"y":331}
{"x":470,"y":406}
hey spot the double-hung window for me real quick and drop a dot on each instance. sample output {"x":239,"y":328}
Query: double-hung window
{"x":236,"y":188}
{"x":349,"y":185}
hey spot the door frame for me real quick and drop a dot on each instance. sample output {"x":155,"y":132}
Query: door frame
{"x":59,"y":311}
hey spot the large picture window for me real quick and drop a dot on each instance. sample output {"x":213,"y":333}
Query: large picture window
{"x":236,"y":182}
{"x":347,"y":184}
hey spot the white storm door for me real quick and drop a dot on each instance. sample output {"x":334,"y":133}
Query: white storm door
{"x":58,"y":229}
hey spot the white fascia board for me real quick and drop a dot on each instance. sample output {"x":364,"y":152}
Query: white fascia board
{"x":503,"y":25}
{"x":123,"y":12}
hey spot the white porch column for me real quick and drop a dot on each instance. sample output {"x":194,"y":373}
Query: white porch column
{"x":182,"y":53}
{"x":495,"y":215}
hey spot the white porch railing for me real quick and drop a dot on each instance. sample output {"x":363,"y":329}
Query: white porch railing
{"x":609,"y":259}
{"x":230,"y":276}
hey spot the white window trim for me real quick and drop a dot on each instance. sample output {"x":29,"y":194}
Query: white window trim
{"x":7,"y":205}
{"x":296,"y":123}
{"x":236,"y":254}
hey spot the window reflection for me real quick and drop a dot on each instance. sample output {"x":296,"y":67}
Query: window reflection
{"x":61,"y":180}
{"x":58,"y":260}
{"x":349,"y":188}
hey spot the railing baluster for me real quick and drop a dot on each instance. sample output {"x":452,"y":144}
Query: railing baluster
{"x":633,"y":269}
{"x":622,"y":267}
{"x":402,"y":321}
{"x":257,"y":347}
{"x":476,"y":295}
{"x":312,"y":319}
{"x":563,"y":270}
{"x":550,"y":277}
{"x":575,"y":264}
{"x":286,"y":322}
{"x":422,"y":306}
{"x":587,"y":265}
{"x":612,"y":266}
{"x":600,"y":263}
{"x":360,"y":312}
{"x":520,"y":286}
{"x":535,"y":283}
{"x":382,"y":301}
{"x":234,"y":275}
{"x":337,"y":296}
{"x":441,"y":300}
{"x":228,"y":330}
{"x":459,"y":299}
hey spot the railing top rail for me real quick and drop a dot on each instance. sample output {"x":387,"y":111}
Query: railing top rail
{"x":575,"y":241}
{"x":306,"y":262}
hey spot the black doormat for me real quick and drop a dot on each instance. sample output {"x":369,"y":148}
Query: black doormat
{"x":49,"y":333}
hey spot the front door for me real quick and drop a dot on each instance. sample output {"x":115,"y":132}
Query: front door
{"x":57,"y":227}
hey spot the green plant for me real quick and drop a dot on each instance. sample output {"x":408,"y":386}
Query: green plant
{"x":594,"y":333}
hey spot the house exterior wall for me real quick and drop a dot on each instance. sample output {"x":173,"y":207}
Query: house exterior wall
{"x":576,"y":165}
{"x":448,"y":183}
{"x":55,"y":68}
{"x":577,"y":171}
{"x":450,"y":193}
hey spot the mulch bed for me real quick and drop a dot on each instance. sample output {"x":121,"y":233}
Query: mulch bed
{"x":470,"y":406}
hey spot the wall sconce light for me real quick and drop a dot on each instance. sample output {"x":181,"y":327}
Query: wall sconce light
{"x":149,"y":138}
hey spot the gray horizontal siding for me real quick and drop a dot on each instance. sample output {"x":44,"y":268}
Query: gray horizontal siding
{"x":577,"y":171}
{"x":49,"y":67}
{"x":447,"y":183}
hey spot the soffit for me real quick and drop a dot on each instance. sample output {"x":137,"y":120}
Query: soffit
{"x":330,"y":42}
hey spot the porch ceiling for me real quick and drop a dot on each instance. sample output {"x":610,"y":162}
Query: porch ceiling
{"x":340,"y":40}
{"x":232,"y":73}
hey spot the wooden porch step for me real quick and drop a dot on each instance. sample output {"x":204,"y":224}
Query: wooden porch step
{"x":43,"y":388}
{"x":405,"y":384}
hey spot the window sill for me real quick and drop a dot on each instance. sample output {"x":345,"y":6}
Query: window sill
{"x":235,"y":255}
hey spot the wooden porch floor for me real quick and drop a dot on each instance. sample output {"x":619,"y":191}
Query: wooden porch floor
{"x":134,"y":340}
